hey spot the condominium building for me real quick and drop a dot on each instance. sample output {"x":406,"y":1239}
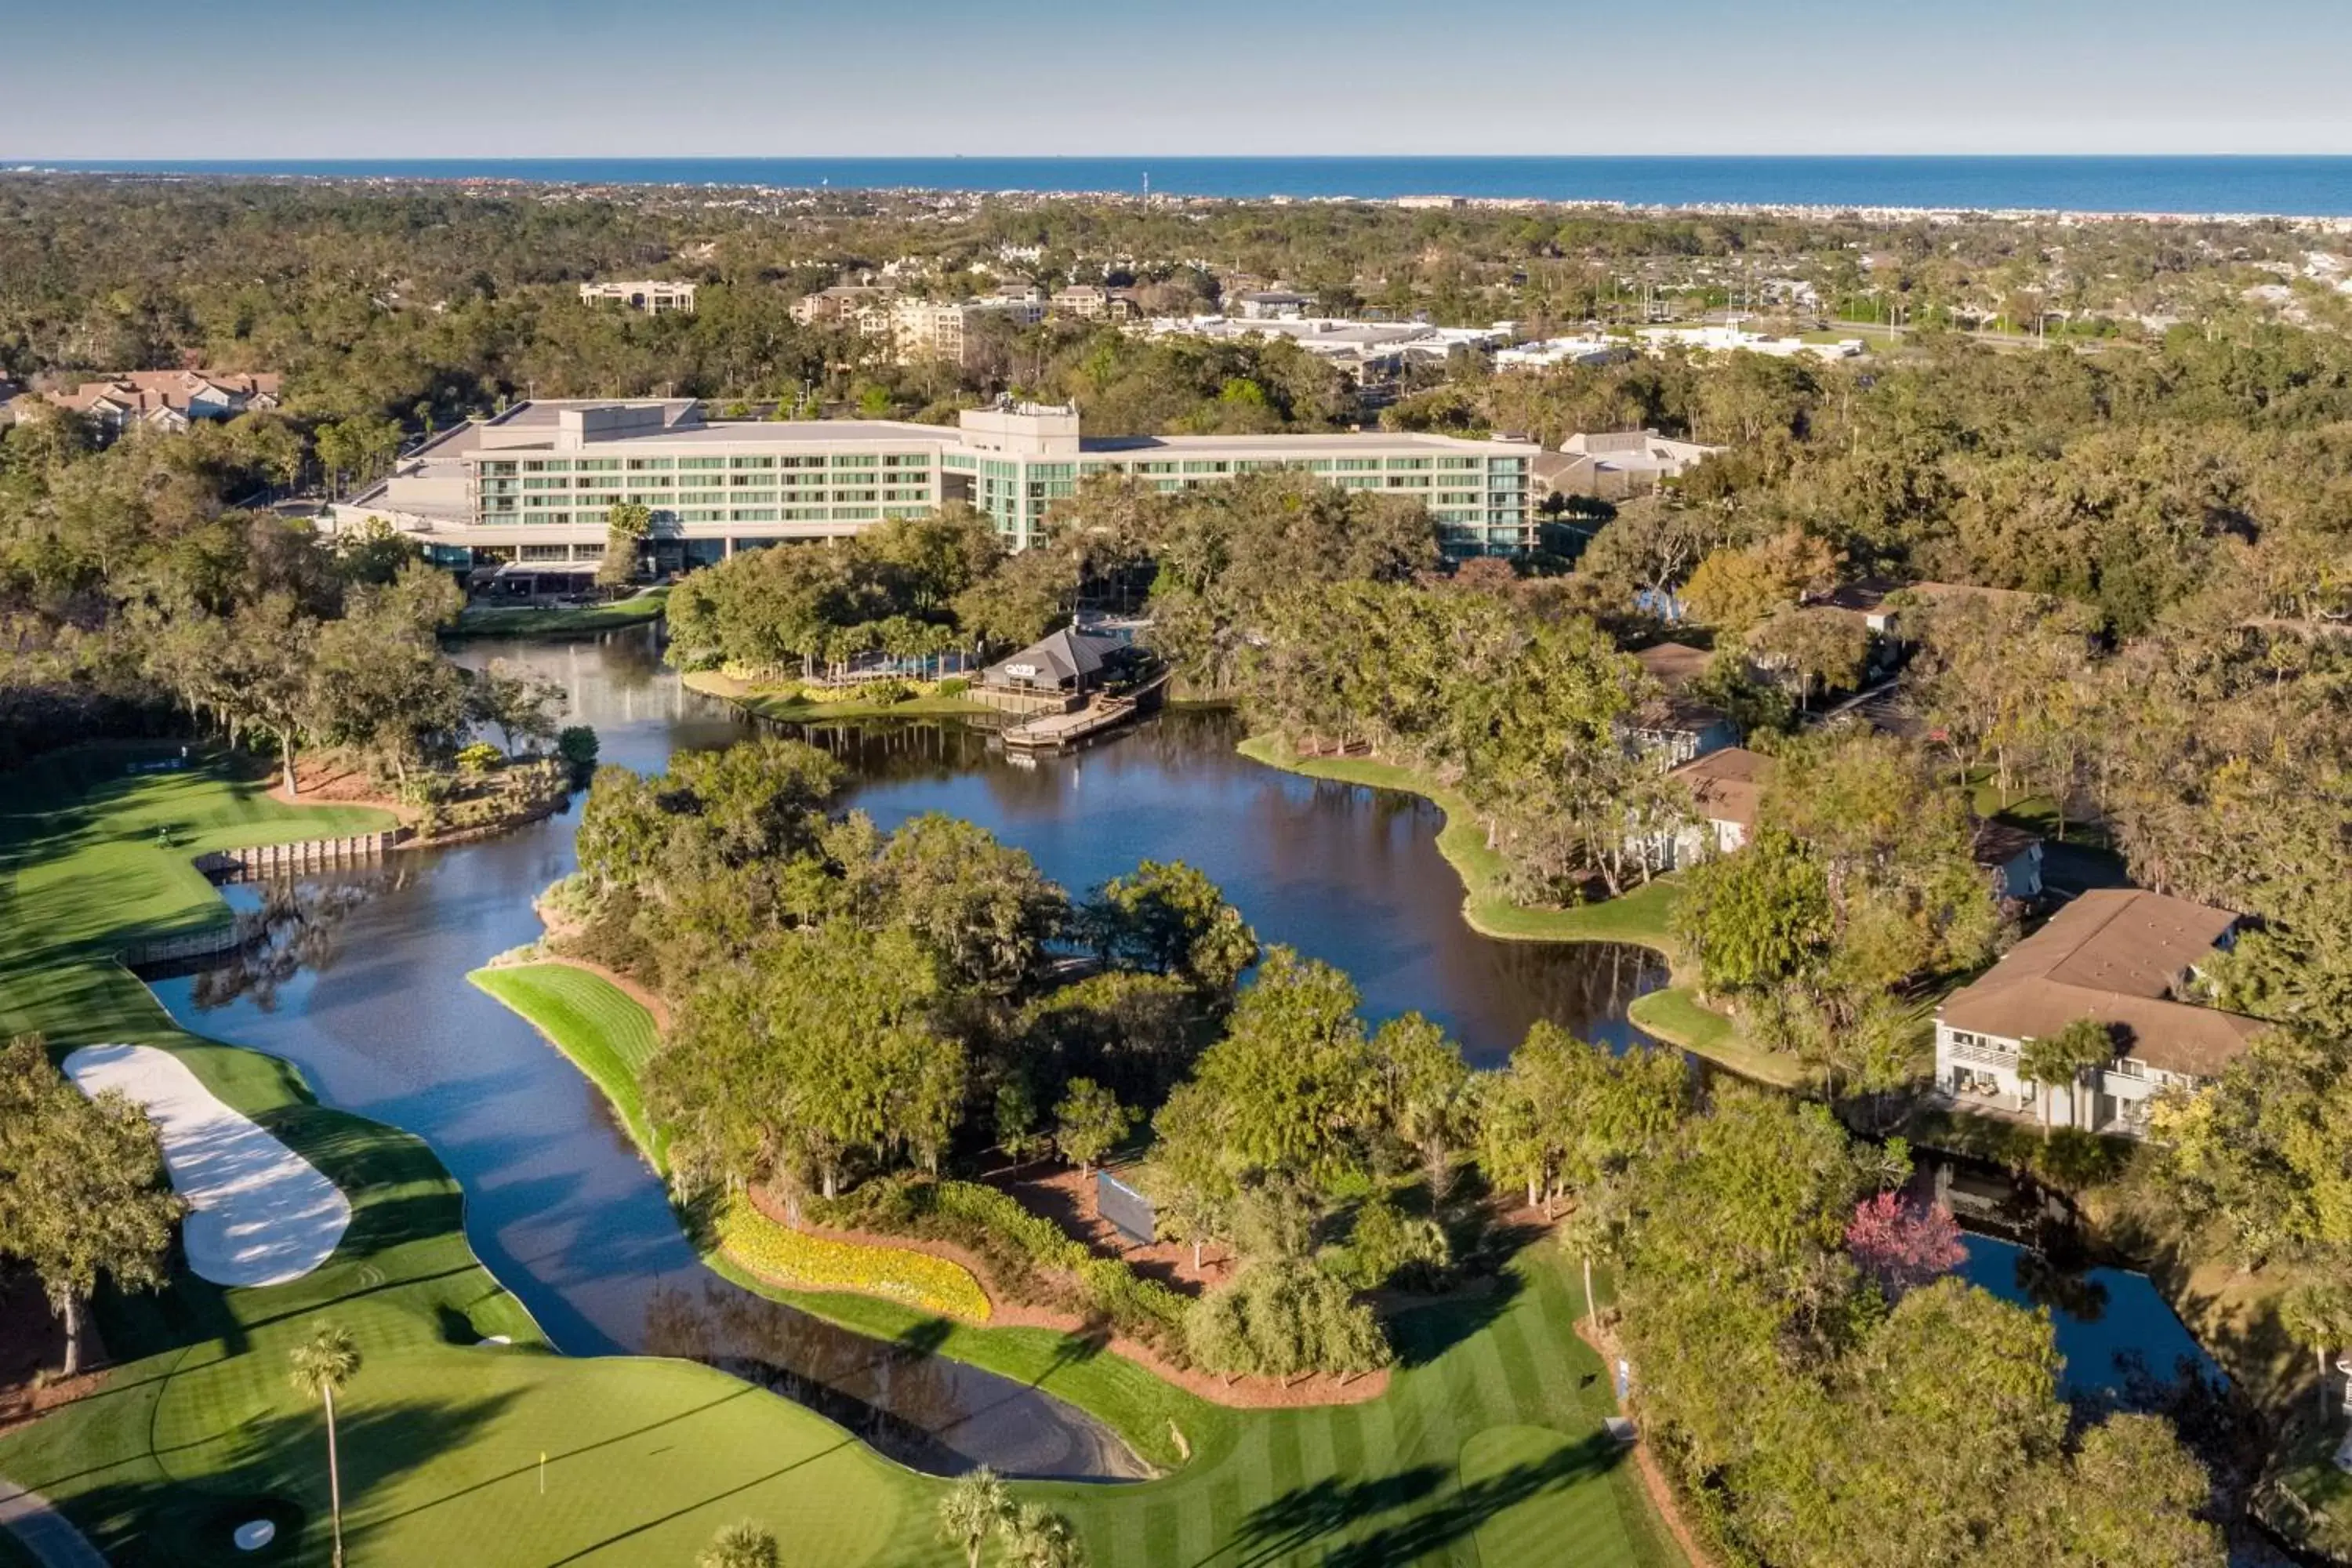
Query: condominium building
{"x":536,"y":482}
{"x":918,"y":330}
{"x":647,"y":294}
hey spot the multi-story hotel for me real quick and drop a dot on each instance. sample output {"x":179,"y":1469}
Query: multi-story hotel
{"x":534,"y":484}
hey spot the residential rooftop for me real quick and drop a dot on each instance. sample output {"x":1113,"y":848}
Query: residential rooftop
{"x":2118,"y":955}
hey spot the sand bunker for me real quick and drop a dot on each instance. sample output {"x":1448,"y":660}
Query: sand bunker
{"x":258,"y":1213}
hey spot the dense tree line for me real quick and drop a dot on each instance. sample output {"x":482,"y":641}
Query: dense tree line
{"x":1822,"y":1409}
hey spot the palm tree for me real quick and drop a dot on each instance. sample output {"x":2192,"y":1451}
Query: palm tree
{"x":1038,"y":1537}
{"x":744,"y":1545}
{"x":2080,"y":1047}
{"x":323,"y":1364}
{"x":973,"y":1509}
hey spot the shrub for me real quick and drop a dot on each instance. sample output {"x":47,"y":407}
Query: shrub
{"x":577,"y":746}
{"x":1389,"y":1247}
{"x":889,"y":689}
{"x":953,"y":686}
{"x":1126,"y":1299}
{"x":1026,"y":1254}
{"x":802,"y":1262}
{"x":478,"y":758}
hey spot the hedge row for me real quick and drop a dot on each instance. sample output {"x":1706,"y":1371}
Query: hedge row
{"x":802,"y":1262}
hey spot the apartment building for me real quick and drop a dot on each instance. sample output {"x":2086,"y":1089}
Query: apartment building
{"x":918,"y":330}
{"x":167,"y":400}
{"x":654,"y":298}
{"x":535,"y":483}
{"x":842,"y":302}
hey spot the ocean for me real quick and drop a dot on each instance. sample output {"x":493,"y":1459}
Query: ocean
{"x":2300,"y":187}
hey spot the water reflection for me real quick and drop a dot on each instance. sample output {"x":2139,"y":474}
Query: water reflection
{"x":1348,"y":875}
{"x":2119,"y":1338}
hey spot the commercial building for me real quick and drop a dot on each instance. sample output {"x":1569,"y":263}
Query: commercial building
{"x":1614,"y":465}
{"x":535,"y":483}
{"x":2122,"y":956}
{"x":655,"y":298}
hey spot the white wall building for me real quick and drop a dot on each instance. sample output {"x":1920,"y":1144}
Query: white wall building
{"x":535,"y":483}
{"x":647,"y":294}
{"x":2125,"y":957}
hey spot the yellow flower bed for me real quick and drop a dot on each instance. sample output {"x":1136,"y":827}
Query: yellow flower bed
{"x":797,"y":1261}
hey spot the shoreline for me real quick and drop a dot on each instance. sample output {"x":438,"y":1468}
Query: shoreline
{"x":1672,"y":1014}
{"x":599,"y":175}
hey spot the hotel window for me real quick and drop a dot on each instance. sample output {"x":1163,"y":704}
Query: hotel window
{"x":497,"y":468}
{"x":1204,"y":468}
{"x":750,"y":463}
{"x":753,"y":514}
{"x":638,"y":465}
{"x":1354,"y":465}
{"x":598,"y":466}
{"x":702,"y":462}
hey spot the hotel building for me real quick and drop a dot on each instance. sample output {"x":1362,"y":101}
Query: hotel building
{"x":534,"y":483}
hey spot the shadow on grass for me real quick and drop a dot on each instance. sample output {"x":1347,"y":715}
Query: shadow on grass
{"x":277,"y":1466}
{"x":1422,"y":1334}
{"x":1308,"y":1519}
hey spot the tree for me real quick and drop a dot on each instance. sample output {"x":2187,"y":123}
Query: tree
{"x":321,"y":1367}
{"x":2318,"y":1312}
{"x":627,"y":524}
{"x":974,"y":1508}
{"x":1903,"y":1245}
{"x":83,"y":1194}
{"x":1038,"y":1537}
{"x":812,"y":1047}
{"x":1289,"y":1088}
{"x":981,"y":906}
{"x":1758,"y":917}
{"x":1015,"y":1123}
{"x":1285,"y":1319}
{"x":747,"y":1544}
{"x":2063,"y":1058}
{"x":1426,"y":1088}
{"x":1171,"y":918}
{"x":1090,"y":1123}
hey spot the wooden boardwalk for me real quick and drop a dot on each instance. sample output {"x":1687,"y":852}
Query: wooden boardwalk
{"x":1052,"y":732}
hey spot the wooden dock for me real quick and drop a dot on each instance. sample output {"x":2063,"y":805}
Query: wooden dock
{"x":1054,"y":732}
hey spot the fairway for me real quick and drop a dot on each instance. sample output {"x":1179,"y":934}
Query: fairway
{"x":1492,"y":1423}
{"x":197,"y":1428}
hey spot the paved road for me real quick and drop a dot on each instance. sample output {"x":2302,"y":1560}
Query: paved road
{"x":41,"y":1530}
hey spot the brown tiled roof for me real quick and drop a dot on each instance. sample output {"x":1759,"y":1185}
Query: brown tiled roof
{"x":1999,"y":843}
{"x":2114,"y":954}
{"x":1726,"y":785}
{"x":1675,"y":664}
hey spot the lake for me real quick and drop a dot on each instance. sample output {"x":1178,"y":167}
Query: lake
{"x":566,"y":1215}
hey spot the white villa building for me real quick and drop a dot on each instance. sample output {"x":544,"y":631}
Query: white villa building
{"x":2125,"y":957}
{"x":534,"y":485}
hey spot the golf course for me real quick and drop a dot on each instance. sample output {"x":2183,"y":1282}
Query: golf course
{"x":1487,"y":1447}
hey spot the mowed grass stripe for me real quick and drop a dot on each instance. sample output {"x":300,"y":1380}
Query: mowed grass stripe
{"x":604,"y":1032}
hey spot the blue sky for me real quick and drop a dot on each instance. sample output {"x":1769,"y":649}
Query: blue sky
{"x":326,"y":79}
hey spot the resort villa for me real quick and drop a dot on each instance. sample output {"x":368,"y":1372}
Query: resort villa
{"x":2125,"y":957}
{"x":534,"y":484}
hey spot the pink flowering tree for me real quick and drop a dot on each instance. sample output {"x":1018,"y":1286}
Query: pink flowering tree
{"x":1901,"y":1245}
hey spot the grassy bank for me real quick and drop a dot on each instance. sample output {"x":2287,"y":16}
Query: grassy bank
{"x":523,"y":621}
{"x":602,"y":1029}
{"x":790,"y":706}
{"x":196,"y":1428}
{"x":1673,"y":1014}
{"x":1411,"y":1476}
